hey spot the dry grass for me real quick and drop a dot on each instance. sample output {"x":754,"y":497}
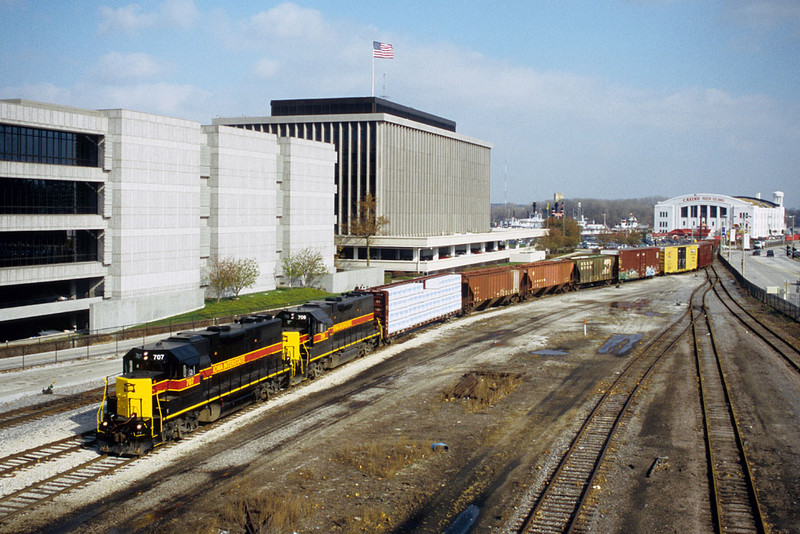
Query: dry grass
{"x":256,"y":511}
{"x":479,"y":390}
{"x":367,"y":518}
{"x":385,"y":459}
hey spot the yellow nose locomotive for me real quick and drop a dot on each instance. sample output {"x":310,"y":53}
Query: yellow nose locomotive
{"x":167,"y":388}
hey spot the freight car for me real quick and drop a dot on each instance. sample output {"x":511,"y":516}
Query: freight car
{"x":678,"y":259}
{"x":705,"y":254}
{"x":404,"y":306}
{"x":636,"y":263}
{"x":483,"y":288}
{"x":169,"y":387}
{"x":544,"y":277}
{"x":595,"y":269}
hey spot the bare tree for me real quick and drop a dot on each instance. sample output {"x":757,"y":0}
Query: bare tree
{"x":367,"y":223}
{"x":307,"y":265}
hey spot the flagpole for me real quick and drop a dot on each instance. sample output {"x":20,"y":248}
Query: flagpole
{"x":373,"y":74}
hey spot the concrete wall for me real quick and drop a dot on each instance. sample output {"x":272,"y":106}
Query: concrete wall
{"x":349,"y":280}
{"x":243,"y":199}
{"x":428,"y":181}
{"x":154,"y":220}
{"x":307,"y":197}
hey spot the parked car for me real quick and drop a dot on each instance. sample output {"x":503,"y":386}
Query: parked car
{"x":770,"y":253}
{"x":757,"y":252}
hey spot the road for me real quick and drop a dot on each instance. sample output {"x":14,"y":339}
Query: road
{"x":778,"y":271}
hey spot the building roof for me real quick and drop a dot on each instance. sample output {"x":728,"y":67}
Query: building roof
{"x":356,"y":105}
{"x":758,"y":202}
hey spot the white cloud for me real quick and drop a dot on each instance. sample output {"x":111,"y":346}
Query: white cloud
{"x":177,"y":100}
{"x":40,"y":92}
{"x":131,"y":19}
{"x":117,"y":67}
{"x":182,"y":13}
{"x":127,"y":19}
{"x":266,"y":68}
{"x":288,"y":21}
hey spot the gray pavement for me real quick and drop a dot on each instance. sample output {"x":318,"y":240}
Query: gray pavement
{"x":778,"y":273}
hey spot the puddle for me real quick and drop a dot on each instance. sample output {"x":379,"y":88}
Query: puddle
{"x":463,"y":523}
{"x":627,"y":305}
{"x":619,"y":344}
{"x":550,"y":352}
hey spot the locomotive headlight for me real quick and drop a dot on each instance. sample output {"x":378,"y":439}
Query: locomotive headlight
{"x":105,"y":423}
{"x":139,"y":426}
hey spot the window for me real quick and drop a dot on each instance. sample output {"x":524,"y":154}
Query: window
{"x":712,"y":212}
{"x":694,"y":211}
{"x":42,"y":248}
{"x":48,"y":197}
{"x":34,"y":145}
{"x":684,"y":211}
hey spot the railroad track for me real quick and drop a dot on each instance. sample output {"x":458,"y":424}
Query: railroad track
{"x":51,"y":407}
{"x":50,"y":488}
{"x":562,"y":505}
{"x":788,"y":350}
{"x":43,"y":453}
{"x":735,"y":506}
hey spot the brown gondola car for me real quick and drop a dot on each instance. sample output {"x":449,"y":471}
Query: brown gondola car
{"x":595,"y":269}
{"x":705,"y":254}
{"x":636,"y":263}
{"x":545,"y":277}
{"x":494,"y":286}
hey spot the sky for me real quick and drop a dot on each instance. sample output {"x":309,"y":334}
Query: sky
{"x":592,"y":99}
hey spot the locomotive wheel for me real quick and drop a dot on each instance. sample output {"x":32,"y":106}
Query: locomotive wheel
{"x":276,"y":384}
{"x":314,"y":370}
{"x":262,"y":392}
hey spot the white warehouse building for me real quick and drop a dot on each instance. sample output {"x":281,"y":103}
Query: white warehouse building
{"x":716,"y":214}
{"x":111,"y":217}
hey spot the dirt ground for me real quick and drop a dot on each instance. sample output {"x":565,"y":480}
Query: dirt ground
{"x":393,"y":448}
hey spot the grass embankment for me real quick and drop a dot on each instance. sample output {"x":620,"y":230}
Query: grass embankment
{"x":253,"y":303}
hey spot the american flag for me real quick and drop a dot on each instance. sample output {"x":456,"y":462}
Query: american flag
{"x":382,"y":50}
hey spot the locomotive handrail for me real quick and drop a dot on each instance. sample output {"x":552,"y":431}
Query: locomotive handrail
{"x":101,"y":409}
{"x":160,"y":418}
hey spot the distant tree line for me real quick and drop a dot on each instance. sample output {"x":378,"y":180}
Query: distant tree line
{"x":592,"y":209}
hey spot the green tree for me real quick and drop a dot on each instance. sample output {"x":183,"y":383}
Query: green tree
{"x":563,"y":234}
{"x":306,"y":266}
{"x":220,"y":276}
{"x":367,"y":223}
{"x":245,"y":274}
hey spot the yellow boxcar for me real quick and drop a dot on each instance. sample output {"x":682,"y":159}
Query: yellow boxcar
{"x":679,"y":259}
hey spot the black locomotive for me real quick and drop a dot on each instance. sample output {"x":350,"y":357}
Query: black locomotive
{"x":169,"y":387}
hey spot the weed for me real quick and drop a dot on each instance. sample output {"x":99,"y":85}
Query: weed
{"x":385,"y":459}
{"x":256,"y":511}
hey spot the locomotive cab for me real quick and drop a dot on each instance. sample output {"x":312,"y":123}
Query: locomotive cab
{"x":134,"y":414}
